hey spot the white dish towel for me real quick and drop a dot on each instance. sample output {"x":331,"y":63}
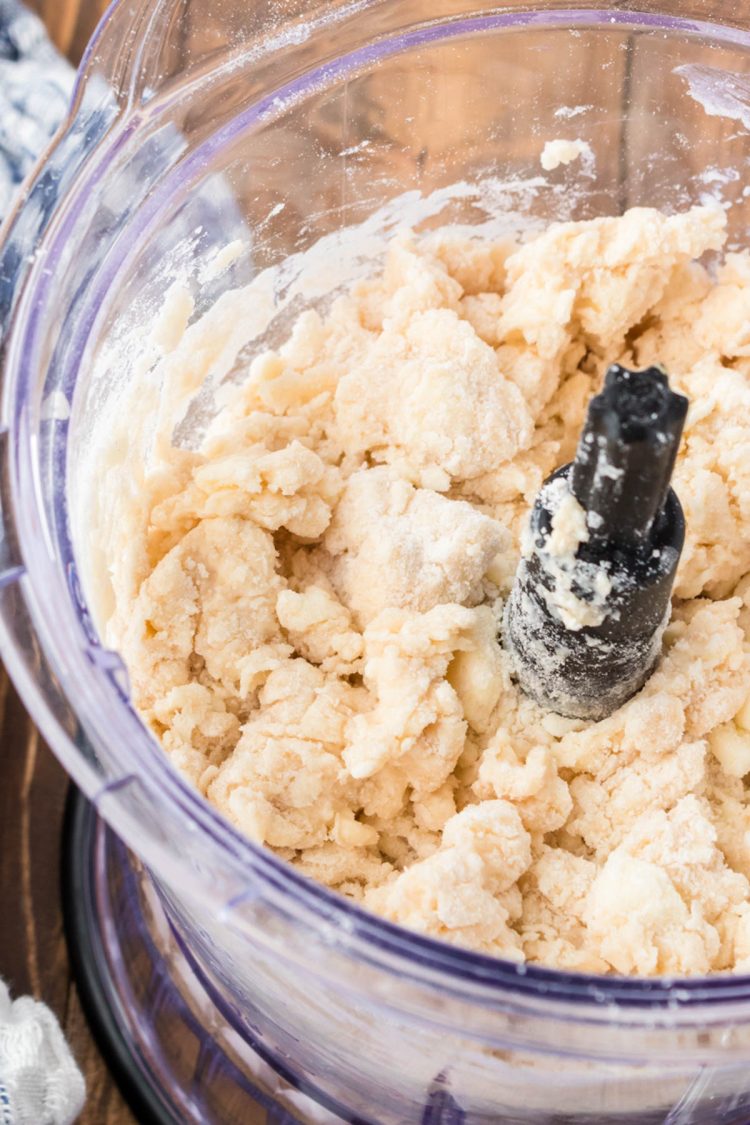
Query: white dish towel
{"x":40,"y":1083}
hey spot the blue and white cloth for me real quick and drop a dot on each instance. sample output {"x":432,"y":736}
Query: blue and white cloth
{"x":35,"y":88}
{"x":40,"y":1083}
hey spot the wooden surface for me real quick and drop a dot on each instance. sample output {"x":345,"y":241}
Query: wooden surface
{"x":70,"y":22}
{"x":33,"y":958}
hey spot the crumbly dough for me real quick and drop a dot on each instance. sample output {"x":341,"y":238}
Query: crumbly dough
{"x":309,"y":603}
{"x":560,"y":151}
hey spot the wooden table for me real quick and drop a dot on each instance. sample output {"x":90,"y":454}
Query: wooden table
{"x":33,"y":957}
{"x":70,"y":22}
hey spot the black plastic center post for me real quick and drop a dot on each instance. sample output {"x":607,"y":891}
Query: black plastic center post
{"x":592,"y":593}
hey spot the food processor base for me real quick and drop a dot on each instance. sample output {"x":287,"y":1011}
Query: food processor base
{"x":175,"y":1053}
{"x":175,"y":1056}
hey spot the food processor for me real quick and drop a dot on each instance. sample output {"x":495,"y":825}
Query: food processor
{"x":228,"y":987}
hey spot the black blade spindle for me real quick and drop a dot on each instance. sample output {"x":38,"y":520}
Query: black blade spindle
{"x":584,"y":624}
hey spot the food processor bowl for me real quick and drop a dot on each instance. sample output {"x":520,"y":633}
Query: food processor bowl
{"x":307,"y":133}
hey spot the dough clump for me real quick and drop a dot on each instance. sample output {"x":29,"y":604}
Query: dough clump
{"x":309,"y":601}
{"x":561,"y":151}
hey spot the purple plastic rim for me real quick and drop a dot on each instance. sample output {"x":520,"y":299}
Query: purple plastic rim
{"x":48,"y":597}
{"x":89,"y":52}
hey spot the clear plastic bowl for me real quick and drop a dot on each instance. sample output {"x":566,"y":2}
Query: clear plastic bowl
{"x":198,"y":121}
